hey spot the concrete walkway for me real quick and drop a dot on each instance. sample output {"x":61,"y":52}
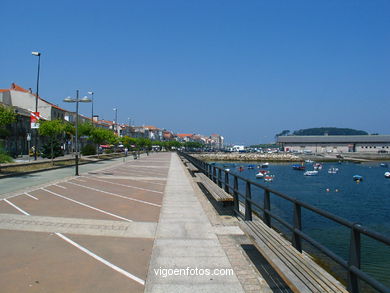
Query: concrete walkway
{"x":187,"y":255}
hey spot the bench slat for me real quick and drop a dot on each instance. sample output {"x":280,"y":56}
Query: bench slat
{"x":298,"y":270}
{"x":297,"y":262}
{"x":218,"y":193}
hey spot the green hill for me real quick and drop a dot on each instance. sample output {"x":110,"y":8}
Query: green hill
{"x":329,"y":131}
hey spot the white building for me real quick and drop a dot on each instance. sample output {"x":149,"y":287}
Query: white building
{"x":335,"y":143}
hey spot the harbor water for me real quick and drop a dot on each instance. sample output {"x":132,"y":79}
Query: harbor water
{"x":366,"y":202}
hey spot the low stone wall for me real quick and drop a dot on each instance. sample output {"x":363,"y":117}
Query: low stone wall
{"x":278,"y":157}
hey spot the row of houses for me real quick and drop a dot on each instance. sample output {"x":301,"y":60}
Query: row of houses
{"x":23,"y":102}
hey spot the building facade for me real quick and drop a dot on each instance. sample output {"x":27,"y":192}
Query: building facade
{"x":335,"y":143}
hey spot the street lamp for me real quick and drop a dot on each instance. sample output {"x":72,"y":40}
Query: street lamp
{"x":77,"y":101}
{"x":36,"y":103}
{"x":116,"y":120}
{"x":91,"y":93}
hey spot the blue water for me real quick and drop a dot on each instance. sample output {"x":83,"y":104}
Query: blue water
{"x":367,"y":203}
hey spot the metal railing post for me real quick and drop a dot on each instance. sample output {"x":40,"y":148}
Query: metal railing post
{"x":296,"y":239}
{"x":226,"y":182}
{"x":214,"y":174}
{"x":248,"y":203}
{"x":354,"y":260}
{"x":219,"y":180}
{"x":267,"y":208}
{"x":235,"y":196}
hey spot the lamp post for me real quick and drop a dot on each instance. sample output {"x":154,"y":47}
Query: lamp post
{"x":91,"y":93}
{"x":36,"y":103}
{"x":116,"y":120}
{"x":77,"y":101}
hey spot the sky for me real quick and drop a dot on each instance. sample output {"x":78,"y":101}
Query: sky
{"x":243,"y":69}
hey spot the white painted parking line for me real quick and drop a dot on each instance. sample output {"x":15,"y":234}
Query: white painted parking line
{"x":118,"y":195}
{"x":63,"y":187}
{"x":155,"y":183}
{"x":124,"y":185}
{"x":150,"y":173}
{"x":85,"y":205}
{"x":29,"y":195}
{"x":102,"y":260}
{"x":90,"y":253}
{"x":16,"y":207}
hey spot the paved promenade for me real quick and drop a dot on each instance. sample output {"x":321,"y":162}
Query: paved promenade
{"x":129,"y":226}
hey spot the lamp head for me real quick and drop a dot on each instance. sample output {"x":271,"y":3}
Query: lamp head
{"x":36,"y":53}
{"x":69,"y":100}
{"x":85,"y":100}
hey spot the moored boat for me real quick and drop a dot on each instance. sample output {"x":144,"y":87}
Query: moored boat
{"x":298,"y":167}
{"x":384,"y":165}
{"x":333,"y":170}
{"x":387,"y":175}
{"x":269,"y":178}
{"x":259,"y":175}
{"x":311,"y":173}
{"x":357,"y":178}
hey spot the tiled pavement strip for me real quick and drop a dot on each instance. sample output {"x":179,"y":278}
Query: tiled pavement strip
{"x":99,"y":232}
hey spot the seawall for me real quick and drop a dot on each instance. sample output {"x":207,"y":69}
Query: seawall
{"x":274,"y":157}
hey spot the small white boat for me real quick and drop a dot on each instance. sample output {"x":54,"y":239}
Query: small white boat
{"x":264,"y":165}
{"x":269,"y":178}
{"x":311,"y":173}
{"x":387,"y":174}
{"x":227,"y":170}
{"x":333,"y":170}
{"x":317,"y":166}
{"x":259,"y":175}
{"x":309,"y":161}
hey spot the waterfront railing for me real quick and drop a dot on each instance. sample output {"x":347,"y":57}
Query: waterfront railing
{"x":352,"y":265}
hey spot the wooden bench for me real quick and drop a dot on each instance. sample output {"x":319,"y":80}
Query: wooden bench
{"x":218,"y":193}
{"x":298,"y":270}
{"x":184,"y":160}
{"x":192,"y":168}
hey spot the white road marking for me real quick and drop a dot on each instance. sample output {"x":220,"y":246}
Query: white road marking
{"x":19,"y":209}
{"x":102,"y":260}
{"x":118,"y":195}
{"x":90,"y":253}
{"x":29,"y":195}
{"x":149,"y":172}
{"x":140,"y":188}
{"x":60,"y":186}
{"x":88,"y":206}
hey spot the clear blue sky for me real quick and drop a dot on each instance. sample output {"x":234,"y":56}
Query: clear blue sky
{"x":243,"y":69}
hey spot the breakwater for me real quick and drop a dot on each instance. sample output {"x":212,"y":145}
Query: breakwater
{"x":248,"y":157}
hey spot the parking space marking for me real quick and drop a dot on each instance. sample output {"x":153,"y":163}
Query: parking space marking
{"x":120,"y":184}
{"x":63,"y":187}
{"x":102,"y":260}
{"x":16,"y":207}
{"x":117,"y":195}
{"x":90,"y":253}
{"x":29,"y":195}
{"x":127,"y":169}
{"x":85,"y":205}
